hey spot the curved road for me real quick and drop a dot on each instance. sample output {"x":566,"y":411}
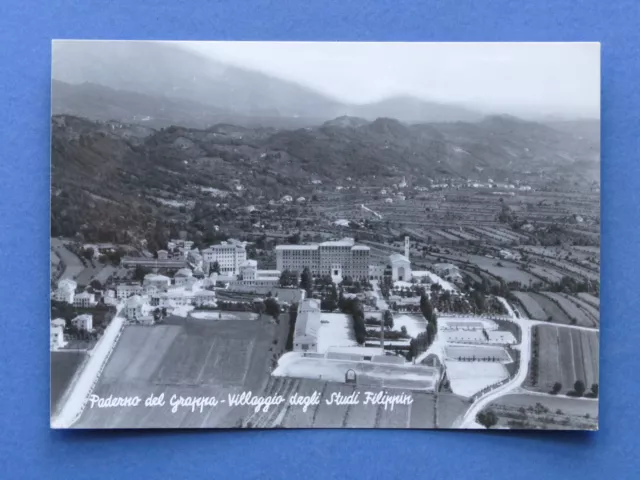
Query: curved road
{"x":468,"y":420}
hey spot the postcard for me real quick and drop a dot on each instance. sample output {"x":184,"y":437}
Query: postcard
{"x":325,"y":235}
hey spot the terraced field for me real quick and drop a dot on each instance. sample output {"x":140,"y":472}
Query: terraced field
{"x":571,"y":308}
{"x":548,"y":274}
{"x":509,"y":271}
{"x":531,"y":308}
{"x":551,"y":309}
{"x":590,"y":299}
{"x":588,"y":308}
{"x":565,"y":355}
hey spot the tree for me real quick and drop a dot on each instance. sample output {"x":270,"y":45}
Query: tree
{"x":140,"y":272}
{"x":556,"y":388}
{"x":388,"y":319}
{"x":487,"y":419}
{"x":425,"y":306}
{"x":272,"y":307}
{"x":595,"y":389}
{"x":579,"y":388}
{"x":328,"y":304}
{"x":293,"y":315}
{"x":294,"y":239}
{"x":434,"y":320}
{"x":96,"y":285}
{"x":215,"y":268}
{"x":88,"y":253}
{"x":288,"y":279}
{"x":306,"y":281}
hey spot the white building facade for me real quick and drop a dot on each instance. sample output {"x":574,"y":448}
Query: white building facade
{"x":66,"y":291}
{"x":229,"y":255}
{"x":83,"y":322}
{"x":305,"y":338}
{"x":338,"y":259}
{"x":84,"y":300}
{"x":126,"y":290}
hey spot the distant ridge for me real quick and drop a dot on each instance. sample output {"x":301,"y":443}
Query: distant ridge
{"x":197,"y":91}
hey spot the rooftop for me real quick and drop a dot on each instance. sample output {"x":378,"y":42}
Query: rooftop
{"x":154,"y":277}
{"x":134,"y":301}
{"x":345,"y":242}
{"x":394,"y":257}
{"x":184,"y":272}
{"x":311,"y":246}
{"x":58,"y":322}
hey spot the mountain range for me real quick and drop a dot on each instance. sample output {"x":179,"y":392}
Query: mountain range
{"x":113,"y":180}
{"x":161,"y":84}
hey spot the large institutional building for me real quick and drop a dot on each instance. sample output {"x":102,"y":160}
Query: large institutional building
{"x":339,"y":259}
{"x":229,"y":255}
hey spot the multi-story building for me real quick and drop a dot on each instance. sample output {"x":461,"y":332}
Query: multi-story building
{"x":182,"y":277}
{"x":126,"y":290}
{"x":56,"y":336}
{"x":83,"y":322}
{"x":305,"y":337}
{"x":174,"y":297}
{"x":84,"y":300}
{"x":338,"y":259}
{"x":250,"y":276}
{"x":377,"y":271}
{"x":229,"y":255}
{"x":161,"y":282}
{"x":137,"y":310}
{"x":204,"y":298}
{"x":66,"y":291}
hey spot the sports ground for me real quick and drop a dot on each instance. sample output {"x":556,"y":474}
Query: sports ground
{"x":191,"y":357}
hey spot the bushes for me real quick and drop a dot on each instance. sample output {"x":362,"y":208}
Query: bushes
{"x":293,"y":315}
{"x":353,"y":306}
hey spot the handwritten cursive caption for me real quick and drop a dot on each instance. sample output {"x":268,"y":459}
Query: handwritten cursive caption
{"x":199,"y":404}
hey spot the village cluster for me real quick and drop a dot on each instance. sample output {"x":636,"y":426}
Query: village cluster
{"x":399,"y":298}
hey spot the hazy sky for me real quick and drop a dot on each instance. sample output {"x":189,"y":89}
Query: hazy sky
{"x":530,"y":78}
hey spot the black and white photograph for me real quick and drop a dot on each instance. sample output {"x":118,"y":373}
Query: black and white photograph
{"x":325,"y":235}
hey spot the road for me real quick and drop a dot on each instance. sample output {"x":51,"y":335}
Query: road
{"x":381,"y":304}
{"x":468,"y":420}
{"x":72,"y":264}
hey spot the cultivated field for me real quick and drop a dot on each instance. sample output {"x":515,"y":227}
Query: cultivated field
{"x":545,"y":412}
{"x":64,"y":366}
{"x":509,"y":271}
{"x":530,"y":306}
{"x":578,"y":315}
{"x":195,"y":358}
{"x":564,"y":355}
{"x":551,"y":309}
{"x":590,"y":299}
